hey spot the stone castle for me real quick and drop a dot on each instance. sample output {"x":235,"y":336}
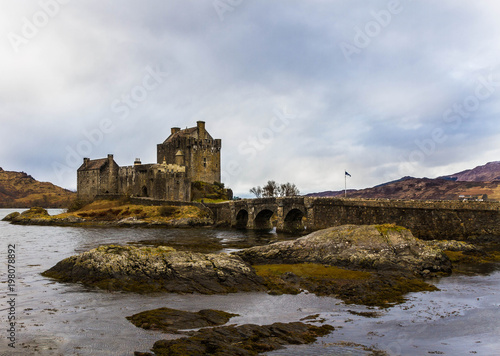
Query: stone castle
{"x":186,"y":156}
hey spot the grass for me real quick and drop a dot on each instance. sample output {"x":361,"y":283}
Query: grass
{"x":113,"y":211}
{"x":208,"y":201}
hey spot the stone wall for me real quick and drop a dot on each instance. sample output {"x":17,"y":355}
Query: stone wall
{"x":151,"y":181}
{"x":426,"y":219}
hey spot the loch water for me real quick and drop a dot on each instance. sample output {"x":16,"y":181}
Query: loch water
{"x":53,"y":318}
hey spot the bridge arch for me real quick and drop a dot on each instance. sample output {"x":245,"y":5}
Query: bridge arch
{"x":262,"y":220}
{"x":294,"y":220}
{"x":242,"y":219}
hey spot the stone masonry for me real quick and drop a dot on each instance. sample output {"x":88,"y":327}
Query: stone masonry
{"x":186,"y":156}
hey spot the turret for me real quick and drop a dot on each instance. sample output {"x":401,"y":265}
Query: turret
{"x":201,"y":129}
{"x":179,"y":158}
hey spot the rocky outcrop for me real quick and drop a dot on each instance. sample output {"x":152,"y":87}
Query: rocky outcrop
{"x":11,"y":216}
{"x":244,"y":340}
{"x":39,"y":216}
{"x":373,"y":247}
{"x":150,"y":269}
{"x":454,"y":245}
{"x":171,"y":320}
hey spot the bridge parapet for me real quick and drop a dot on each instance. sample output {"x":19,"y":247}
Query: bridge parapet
{"x":426,"y":219}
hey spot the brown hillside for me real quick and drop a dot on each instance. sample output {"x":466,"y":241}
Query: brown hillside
{"x":423,"y":189}
{"x":488,"y":173}
{"x":20,"y":190}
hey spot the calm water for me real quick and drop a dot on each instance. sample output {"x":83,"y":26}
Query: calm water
{"x":69,"y":319}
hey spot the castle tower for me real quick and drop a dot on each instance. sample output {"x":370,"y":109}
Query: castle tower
{"x":196,"y":148}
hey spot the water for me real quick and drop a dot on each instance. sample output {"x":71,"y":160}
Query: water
{"x":70,"y":319}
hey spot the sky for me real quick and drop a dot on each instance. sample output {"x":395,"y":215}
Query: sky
{"x":298,"y":91}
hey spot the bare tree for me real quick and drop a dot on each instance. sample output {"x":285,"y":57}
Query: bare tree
{"x":273,"y":189}
{"x":270,"y":189}
{"x":289,"y":190}
{"x":257,"y":191}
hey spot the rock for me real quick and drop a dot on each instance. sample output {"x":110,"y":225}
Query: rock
{"x":171,"y":320}
{"x":35,"y":212}
{"x":248,"y":339}
{"x":373,"y":247}
{"x":454,"y":245}
{"x":11,"y":216}
{"x":131,"y":221}
{"x":150,"y":269}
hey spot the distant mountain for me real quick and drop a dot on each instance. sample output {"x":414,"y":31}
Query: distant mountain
{"x":490,"y":172}
{"x":20,"y":190}
{"x":482,"y":180}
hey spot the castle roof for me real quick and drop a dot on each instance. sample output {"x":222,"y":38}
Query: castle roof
{"x":191,"y":132}
{"x":93,"y":164}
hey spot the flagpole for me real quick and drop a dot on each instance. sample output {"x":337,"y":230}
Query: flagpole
{"x":345,"y":184}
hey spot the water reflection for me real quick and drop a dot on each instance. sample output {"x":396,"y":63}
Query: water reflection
{"x":207,"y":240}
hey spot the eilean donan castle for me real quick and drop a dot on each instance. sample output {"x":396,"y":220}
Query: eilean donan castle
{"x":186,"y":156}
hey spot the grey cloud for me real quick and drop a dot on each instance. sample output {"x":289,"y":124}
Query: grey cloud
{"x":362,"y":114}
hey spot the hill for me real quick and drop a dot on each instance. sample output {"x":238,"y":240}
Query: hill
{"x":20,"y":190}
{"x":490,"y":172}
{"x":479,"y":181}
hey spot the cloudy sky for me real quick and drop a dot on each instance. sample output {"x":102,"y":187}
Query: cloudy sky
{"x":298,"y":91}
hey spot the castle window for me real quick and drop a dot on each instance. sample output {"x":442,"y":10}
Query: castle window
{"x":204,"y":161}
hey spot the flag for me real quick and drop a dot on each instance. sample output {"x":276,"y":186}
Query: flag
{"x":347,"y":174}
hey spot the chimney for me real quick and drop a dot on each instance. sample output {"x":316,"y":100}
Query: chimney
{"x":137,"y":162}
{"x":174,"y":130}
{"x":110,"y":158}
{"x":201,"y":129}
{"x":86,"y":161}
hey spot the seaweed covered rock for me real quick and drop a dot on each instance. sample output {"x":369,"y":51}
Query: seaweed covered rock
{"x":171,"y":320}
{"x":373,"y":247}
{"x":11,"y":216}
{"x":248,"y":339}
{"x":151,"y":269}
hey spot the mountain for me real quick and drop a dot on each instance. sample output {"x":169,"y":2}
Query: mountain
{"x":480,"y":181}
{"x":490,"y":172}
{"x":422,"y":189}
{"x":20,"y":190}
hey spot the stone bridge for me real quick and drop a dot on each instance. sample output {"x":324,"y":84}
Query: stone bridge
{"x":426,"y":219}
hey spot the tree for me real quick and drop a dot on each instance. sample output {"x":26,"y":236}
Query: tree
{"x":257,"y":191}
{"x":271,"y":189}
{"x":289,"y":190}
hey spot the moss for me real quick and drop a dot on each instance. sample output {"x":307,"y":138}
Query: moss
{"x":385,"y":228}
{"x":167,"y":211}
{"x":311,"y":270}
{"x":353,"y":287}
{"x":480,"y":261}
{"x":213,"y":192}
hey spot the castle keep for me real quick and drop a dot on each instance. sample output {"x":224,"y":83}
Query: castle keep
{"x":186,"y":156}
